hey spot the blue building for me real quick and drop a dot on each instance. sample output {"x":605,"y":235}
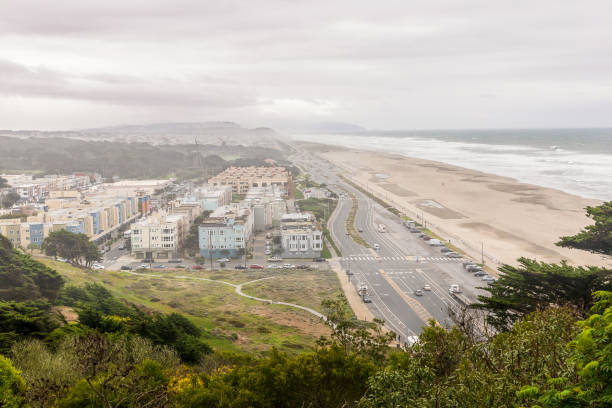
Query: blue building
{"x":228,"y":229}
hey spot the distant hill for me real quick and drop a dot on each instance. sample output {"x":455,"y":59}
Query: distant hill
{"x":164,"y":128}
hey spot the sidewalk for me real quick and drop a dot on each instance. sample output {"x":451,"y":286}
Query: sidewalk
{"x":359,"y":308}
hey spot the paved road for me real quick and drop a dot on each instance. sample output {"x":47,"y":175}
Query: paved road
{"x":403,"y":264}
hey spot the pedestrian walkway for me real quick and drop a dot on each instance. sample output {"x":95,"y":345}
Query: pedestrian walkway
{"x":402,"y":258}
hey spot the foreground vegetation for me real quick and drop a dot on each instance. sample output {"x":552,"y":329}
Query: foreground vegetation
{"x":546,"y":342}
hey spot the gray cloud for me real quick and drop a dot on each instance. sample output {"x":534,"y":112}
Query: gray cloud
{"x":392,"y":64}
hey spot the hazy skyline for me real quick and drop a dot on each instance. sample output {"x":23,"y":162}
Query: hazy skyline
{"x":382,"y":65}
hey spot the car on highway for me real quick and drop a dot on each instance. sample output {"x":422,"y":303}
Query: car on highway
{"x":241,"y":267}
{"x":418,"y":292}
{"x":360,"y":229}
{"x":222,"y":260}
{"x":349,"y":272}
{"x":121,"y":247}
{"x":197,"y":267}
{"x":453,"y":255}
{"x":366,"y":299}
{"x":160,"y":266}
{"x":427,"y":288}
{"x":318,"y":260}
{"x":268,"y":252}
{"x":255,"y":266}
{"x":126,"y":268}
{"x":376,"y":246}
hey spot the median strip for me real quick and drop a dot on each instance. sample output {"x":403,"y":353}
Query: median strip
{"x":416,"y":306}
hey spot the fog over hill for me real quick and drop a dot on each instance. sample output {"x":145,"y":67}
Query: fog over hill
{"x":218,"y":132}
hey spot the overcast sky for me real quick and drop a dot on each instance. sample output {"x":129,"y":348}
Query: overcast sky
{"x":67,"y":64}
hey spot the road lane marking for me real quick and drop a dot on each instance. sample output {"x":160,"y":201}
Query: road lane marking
{"x":416,"y":306}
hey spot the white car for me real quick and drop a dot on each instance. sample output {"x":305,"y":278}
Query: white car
{"x":97,"y":266}
{"x":268,"y":252}
{"x":274,"y":259}
{"x":144,"y":265}
{"x":62,"y":259}
{"x":222,"y":260}
{"x":427,"y":287}
{"x":376,"y":246}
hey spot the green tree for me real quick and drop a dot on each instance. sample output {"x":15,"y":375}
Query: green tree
{"x":12,"y":386}
{"x":326,"y":378}
{"x":3,"y":183}
{"x":592,"y":357}
{"x":9,"y":199}
{"x":354,"y":335}
{"x":23,"y":278}
{"x":536,"y":285}
{"x":597,"y":237}
{"x":76,"y":248}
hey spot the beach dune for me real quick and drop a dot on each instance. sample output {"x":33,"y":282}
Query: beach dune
{"x":479,"y":212}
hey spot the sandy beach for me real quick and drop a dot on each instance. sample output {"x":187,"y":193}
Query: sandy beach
{"x":474,"y":210}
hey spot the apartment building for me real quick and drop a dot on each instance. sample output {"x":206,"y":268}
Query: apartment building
{"x":36,"y":189}
{"x":301,"y":236}
{"x":268,"y":206}
{"x":159,"y":236}
{"x":212,"y":197}
{"x":242,"y":179}
{"x":226,"y":232}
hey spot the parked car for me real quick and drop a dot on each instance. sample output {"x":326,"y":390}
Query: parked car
{"x":318,"y":260}
{"x":418,"y":292}
{"x":303,"y":267}
{"x":427,"y":288}
{"x":473,"y":268}
{"x":275,"y":259}
{"x":160,"y":266}
{"x":197,"y":267}
{"x":97,"y":266}
{"x":241,"y":267}
{"x":453,"y":255}
{"x":414,"y":230}
{"x":255,"y":266}
{"x":178,"y":260}
{"x":480,"y":273}
{"x":126,"y":268}
{"x":222,"y":260}
{"x":180,"y":266}
{"x":121,"y":247}
{"x":376,"y":246}
{"x":467,"y":263}
{"x":445,"y":249}
{"x":62,"y":259}
{"x":366,"y":299}
{"x":268,"y":252}
{"x":143,"y":266}
{"x":426,"y":238}
{"x":360,"y":229}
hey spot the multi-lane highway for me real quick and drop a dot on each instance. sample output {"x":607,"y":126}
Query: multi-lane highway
{"x":403,"y":264}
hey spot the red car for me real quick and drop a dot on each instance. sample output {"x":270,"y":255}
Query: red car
{"x":255,"y":266}
{"x":196,"y":267}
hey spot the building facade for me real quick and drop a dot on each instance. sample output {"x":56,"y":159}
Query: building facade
{"x":301,"y":236}
{"x":242,"y":179}
{"x":159,"y":236}
{"x":226,"y":232}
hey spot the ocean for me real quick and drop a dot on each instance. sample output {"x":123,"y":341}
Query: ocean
{"x":577,"y":161}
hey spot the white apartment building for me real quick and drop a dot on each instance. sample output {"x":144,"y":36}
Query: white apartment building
{"x":301,"y":236}
{"x":159,"y":236}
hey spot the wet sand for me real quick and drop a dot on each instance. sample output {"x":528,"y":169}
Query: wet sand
{"x":474,"y":210}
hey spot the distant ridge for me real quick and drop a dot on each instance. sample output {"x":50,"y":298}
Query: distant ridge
{"x":166,"y":127}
